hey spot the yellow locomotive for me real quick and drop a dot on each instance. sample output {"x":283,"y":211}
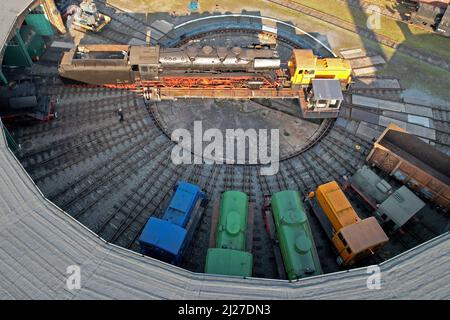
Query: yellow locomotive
{"x":304,"y":66}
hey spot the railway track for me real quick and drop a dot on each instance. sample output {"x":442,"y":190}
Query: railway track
{"x":365,"y":32}
{"x":102,"y":168}
{"x":76,"y":115}
{"x":135,"y":136}
{"x":126,"y":21}
{"x":72,"y":144}
{"x":113,"y":180}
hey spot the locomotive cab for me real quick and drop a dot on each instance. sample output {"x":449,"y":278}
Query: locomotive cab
{"x":359,"y":240}
{"x":144,"y":62}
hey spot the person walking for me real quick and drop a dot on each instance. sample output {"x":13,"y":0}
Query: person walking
{"x":120,"y":114}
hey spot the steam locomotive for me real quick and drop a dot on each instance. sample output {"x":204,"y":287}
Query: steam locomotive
{"x":194,"y":67}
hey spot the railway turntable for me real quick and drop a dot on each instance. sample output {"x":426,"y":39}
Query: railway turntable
{"x":160,"y":73}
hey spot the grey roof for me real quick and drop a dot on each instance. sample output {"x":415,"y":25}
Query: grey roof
{"x":38,"y":241}
{"x":327,"y":89}
{"x":401,"y":206}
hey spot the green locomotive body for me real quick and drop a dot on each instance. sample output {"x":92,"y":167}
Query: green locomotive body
{"x":296,"y":241}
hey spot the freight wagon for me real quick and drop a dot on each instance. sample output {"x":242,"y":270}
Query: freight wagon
{"x":413,"y":162}
{"x":286,"y":220}
{"x":231,"y":236}
{"x":353,"y":238}
{"x":166,"y":238}
{"x":392,"y":207}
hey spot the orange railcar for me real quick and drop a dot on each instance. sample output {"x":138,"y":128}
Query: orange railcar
{"x":353,"y":238}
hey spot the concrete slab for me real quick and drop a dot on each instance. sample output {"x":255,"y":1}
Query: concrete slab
{"x":417,"y":101}
{"x":364,"y":71}
{"x":162,"y":25}
{"x":137,"y":42}
{"x":412,"y":128}
{"x":352,"y":126}
{"x":421,"y":131}
{"x":419,"y":110}
{"x":385,"y":121}
{"x":395,"y":115}
{"x":344,"y":112}
{"x":353,"y":53}
{"x":362,"y":115}
{"x":63,"y":45}
{"x":377,"y":103}
{"x":367,"y":132}
{"x":341,"y":122}
{"x":155,"y":34}
{"x":388,"y":105}
{"x":367,"y":62}
{"x":423,"y":121}
{"x":376,"y":83}
{"x":269,"y":29}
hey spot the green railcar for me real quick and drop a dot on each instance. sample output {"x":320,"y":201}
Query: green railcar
{"x":231,"y":230}
{"x":229,"y":262}
{"x":229,"y":255}
{"x":295,"y":237}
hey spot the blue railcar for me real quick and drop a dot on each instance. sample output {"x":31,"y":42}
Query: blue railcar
{"x":182,"y":203}
{"x":166,"y":238}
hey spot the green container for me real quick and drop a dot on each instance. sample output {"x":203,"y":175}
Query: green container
{"x":16,"y":55}
{"x":10,"y":140}
{"x":3,"y":78}
{"x":229,"y":262}
{"x":33,"y":42}
{"x":40,"y":23}
{"x":231,"y":230}
{"x":295,"y":237}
